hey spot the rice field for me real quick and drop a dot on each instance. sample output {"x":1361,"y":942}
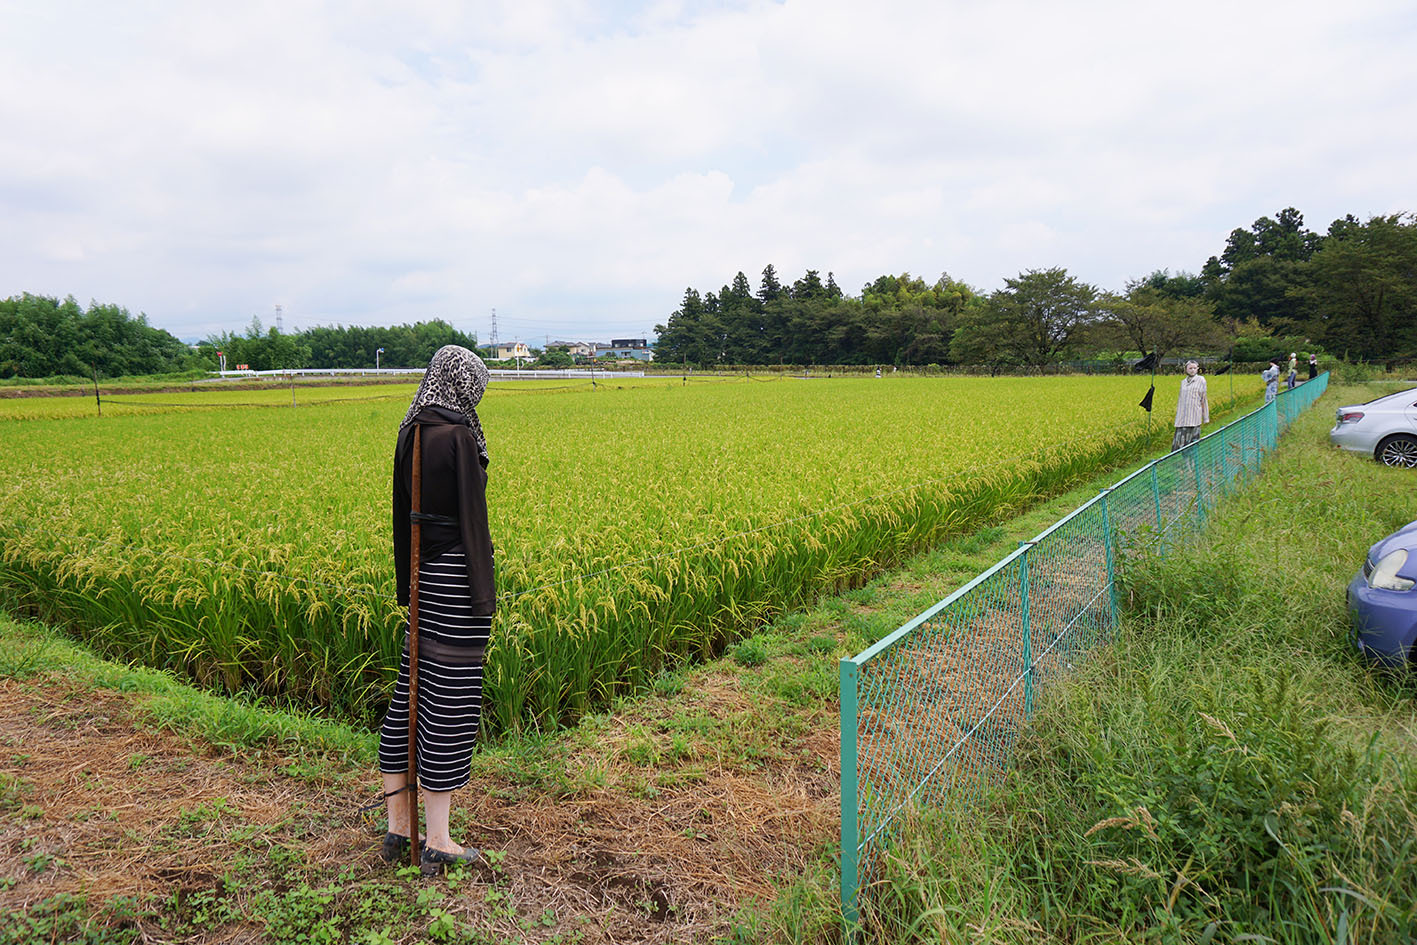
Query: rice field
{"x":638,"y":524}
{"x":304,"y":393}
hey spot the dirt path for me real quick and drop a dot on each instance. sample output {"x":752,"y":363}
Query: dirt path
{"x":213,"y":847}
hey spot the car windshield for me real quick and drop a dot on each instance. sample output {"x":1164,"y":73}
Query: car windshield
{"x":1392,"y":400}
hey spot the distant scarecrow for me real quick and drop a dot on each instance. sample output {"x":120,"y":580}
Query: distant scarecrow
{"x":1192,"y":408}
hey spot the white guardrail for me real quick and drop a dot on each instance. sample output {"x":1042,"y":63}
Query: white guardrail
{"x":498,"y":374}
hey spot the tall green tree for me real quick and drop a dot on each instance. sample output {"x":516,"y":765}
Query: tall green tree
{"x":1254,"y":275}
{"x":1146,"y":320}
{"x":744,"y":320}
{"x":900,"y":319}
{"x":770,"y":287}
{"x":1182,"y":285}
{"x":692,"y":334}
{"x":979,"y":339}
{"x":261,"y":349}
{"x":1040,"y":316}
{"x":1360,"y":288}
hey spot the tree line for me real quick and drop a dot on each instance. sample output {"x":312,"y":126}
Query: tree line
{"x":266,"y":349}
{"x":42,"y":336}
{"x":1276,"y":287}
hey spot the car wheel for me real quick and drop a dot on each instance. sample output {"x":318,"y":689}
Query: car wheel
{"x":1400,"y":450}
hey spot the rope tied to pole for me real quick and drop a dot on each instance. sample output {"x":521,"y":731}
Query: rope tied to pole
{"x":380,"y":802}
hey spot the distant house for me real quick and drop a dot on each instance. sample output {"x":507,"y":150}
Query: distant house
{"x":637,"y":348}
{"x":576,"y":349}
{"x":515,"y":349}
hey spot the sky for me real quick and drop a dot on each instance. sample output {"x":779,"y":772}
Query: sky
{"x":576,"y":165}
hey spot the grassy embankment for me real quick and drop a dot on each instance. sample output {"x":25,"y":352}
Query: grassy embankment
{"x":1228,"y":771}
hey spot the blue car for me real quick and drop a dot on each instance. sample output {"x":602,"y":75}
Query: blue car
{"x":1382,"y":600}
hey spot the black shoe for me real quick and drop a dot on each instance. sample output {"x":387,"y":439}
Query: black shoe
{"x":395,"y":848}
{"x":435,"y":861}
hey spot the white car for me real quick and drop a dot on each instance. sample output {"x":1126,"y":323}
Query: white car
{"x":1385,"y":428}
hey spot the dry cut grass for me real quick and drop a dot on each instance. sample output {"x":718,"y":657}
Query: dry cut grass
{"x":113,"y":809}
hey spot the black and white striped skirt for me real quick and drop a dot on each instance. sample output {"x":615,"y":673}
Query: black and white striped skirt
{"x":451,"y":644}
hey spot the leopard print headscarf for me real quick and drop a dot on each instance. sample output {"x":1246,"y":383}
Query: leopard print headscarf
{"x":455,"y":380}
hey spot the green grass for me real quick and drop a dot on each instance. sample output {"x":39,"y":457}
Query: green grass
{"x":239,"y":725}
{"x":1227,"y":771}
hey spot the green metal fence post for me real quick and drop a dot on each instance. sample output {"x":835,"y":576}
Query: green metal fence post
{"x":1107,"y":547}
{"x":850,"y":834}
{"x":1156,"y":494}
{"x":1249,"y":455}
{"x":1027,"y":641}
{"x":1200,"y":485}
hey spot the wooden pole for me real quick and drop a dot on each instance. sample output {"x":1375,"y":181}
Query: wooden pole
{"x":415,"y":548}
{"x":1155,"y":357}
{"x":96,"y":401}
{"x":1232,"y":375}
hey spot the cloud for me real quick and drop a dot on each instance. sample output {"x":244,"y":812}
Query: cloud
{"x":577,"y":164}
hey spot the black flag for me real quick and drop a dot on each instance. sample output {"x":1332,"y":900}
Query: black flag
{"x":1146,"y":401}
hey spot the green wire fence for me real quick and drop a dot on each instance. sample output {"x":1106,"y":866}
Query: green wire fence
{"x":931,"y":711}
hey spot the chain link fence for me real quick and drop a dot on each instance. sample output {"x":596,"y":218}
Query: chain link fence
{"x":933,"y":710}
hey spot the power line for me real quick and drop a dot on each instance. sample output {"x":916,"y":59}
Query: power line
{"x":571,"y":326}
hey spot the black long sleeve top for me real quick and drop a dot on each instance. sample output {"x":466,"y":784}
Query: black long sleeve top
{"x":454,"y":486}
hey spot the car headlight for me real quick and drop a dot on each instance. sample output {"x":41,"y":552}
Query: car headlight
{"x":1384,"y":574}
